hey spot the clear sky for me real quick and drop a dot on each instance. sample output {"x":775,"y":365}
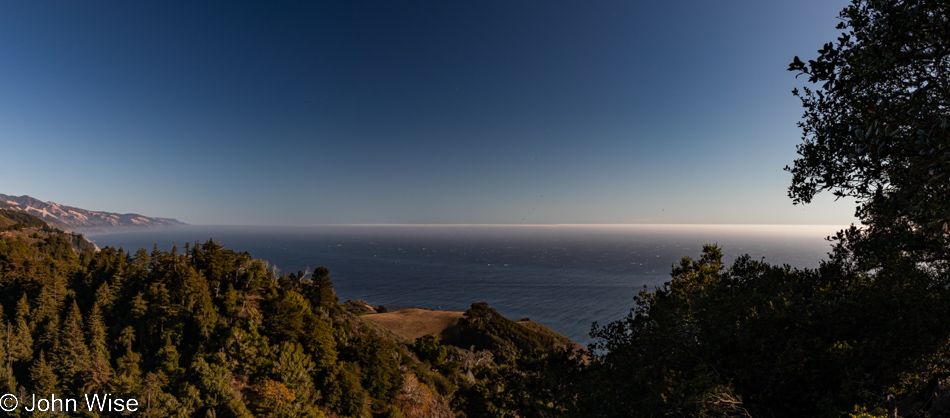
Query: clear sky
{"x":504,"y":112}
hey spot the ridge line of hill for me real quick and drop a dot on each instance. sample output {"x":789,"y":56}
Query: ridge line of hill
{"x":72,"y":218}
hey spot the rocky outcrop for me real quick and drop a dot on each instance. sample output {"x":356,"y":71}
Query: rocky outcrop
{"x":359,"y":307}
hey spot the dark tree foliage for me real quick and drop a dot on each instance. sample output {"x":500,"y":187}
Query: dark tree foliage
{"x":762,"y":340}
{"x":485,"y":329}
{"x":430,"y":349}
{"x":320,"y":291}
{"x":876,"y":127}
{"x":380,"y":369}
{"x":545,"y":383}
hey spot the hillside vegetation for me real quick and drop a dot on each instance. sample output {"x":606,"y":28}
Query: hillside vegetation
{"x":207,"y":331}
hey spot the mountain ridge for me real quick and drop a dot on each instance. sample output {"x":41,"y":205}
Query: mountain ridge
{"x":70,"y":217}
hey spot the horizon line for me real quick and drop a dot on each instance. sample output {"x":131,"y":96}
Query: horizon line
{"x":522,"y":225}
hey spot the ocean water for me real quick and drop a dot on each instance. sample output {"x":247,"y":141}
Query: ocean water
{"x":565,"y":276}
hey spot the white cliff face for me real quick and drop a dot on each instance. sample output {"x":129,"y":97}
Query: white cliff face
{"x":72,"y":217}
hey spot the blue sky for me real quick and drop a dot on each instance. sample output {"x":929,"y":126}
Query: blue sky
{"x":411,"y":112}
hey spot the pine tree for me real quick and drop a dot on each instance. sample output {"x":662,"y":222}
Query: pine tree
{"x":99,"y":376}
{"x":128,"y":375}
{"x":44,"y":378}
{"x":6,"y":371}
{"x":96,"y":333}
{"x":105,"y":298}
{"x":325,"y":296}
{"x":72,"y":355}
{"x":46,"y":317}
{"x":21,"y":341}
{"x":168,"y":359}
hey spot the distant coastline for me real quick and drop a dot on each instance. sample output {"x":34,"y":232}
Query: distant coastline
{"x":80,"y":220}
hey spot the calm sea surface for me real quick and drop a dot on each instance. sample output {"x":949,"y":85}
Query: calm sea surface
{"x":565,"y":277}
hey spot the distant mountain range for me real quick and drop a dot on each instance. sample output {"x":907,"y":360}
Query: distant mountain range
{"x":73,"y":218}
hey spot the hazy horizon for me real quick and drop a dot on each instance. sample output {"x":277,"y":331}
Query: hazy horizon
{"x":791,"y":227}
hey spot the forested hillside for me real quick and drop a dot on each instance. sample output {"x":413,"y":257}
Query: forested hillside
{"x":207,"y":331}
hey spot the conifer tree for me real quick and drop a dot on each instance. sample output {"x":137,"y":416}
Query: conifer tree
{"x":21,"y":341}
{"x":293,"y":367}
{"x":128,"y":374}
{"x":325,"y":295}
{"x":321,"y":344}
{"x":155,"y":396}
{"x":105,"y":297}
{"x":168,"y":359}
{"x":44,"y":378}
{"x":7,"y":380}
{"x":46,"y":317}
{"x":99,"y":375}
{"x":142,"y":260}
{"x":72,"y":355}
{"x":197,"y":304}
{"x":96,"y":333}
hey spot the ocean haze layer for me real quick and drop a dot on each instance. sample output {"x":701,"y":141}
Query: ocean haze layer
{"x":564,"y":276}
